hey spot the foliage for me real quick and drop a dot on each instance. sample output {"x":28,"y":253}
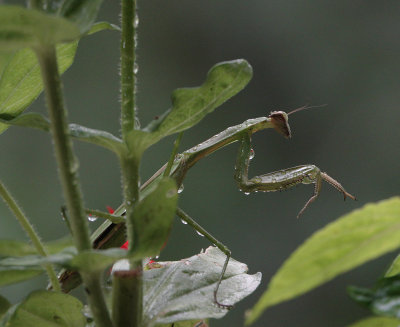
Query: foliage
{"x":178,"y":291}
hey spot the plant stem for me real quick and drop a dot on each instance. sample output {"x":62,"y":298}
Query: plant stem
{"x":68,"y":172}
{"x":130,"y":163}
{"x":30,"y":231}
{"x":126,"y":284}
{"x":128,"y":66}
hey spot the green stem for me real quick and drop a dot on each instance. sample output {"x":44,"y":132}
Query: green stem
{"x":68,"y":172}
{"x":128,"y":66}
{"x":30,"y":231}
{"x":126,"y":284}
{"x":129,"y":161}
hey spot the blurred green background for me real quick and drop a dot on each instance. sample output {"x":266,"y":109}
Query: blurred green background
{"x":345,"y":54}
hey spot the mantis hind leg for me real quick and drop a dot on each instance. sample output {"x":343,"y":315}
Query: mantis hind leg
{"x":281,"y":179}
{"x":185,"y":217}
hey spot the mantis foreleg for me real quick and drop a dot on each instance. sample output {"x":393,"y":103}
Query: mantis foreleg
{"x":185,"y":217}
{"x":281,"y":179}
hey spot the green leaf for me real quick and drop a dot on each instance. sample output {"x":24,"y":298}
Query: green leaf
{"x":100,"y":26}
{"x":4,"y":305}
{"x":21,"y":82}
{"x":48,"y":309}
{"x":153,"y":217}
{"x":23,"y":28}
{"x":350,"y":241}
{"x":191,"y":105}
{"x":384,"y":299}
{"x":394,"y":268}
{"x":184,"y":289}
{"x":31,"y":119}
{"x":81,"y":12}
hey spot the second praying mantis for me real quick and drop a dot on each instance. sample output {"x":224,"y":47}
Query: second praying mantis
{"x":112,"y":232}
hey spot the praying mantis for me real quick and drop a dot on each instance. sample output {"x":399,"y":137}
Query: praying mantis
{"x":112,"y":233}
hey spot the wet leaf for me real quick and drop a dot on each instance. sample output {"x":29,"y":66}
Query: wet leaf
{"x":346,"y":243}
{"x":183,"y":290}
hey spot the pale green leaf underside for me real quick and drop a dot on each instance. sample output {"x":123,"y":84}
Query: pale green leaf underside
{"x":346,"y":243}
{"x":48,"y":309}
{"x":23,"y":28}
{"x":85,"y":134}
{"x":377,"y":322}
{"x":183,"y":290}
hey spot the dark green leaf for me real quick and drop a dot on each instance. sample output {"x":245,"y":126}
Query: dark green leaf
{"x":48,"y":309}
{"x":348,"y":242}
{"x":153,"y":217}
{"x":4,"y":305}
{"x":377,"y":322}
{"x":183,"y":290}
{"x":23,"y":28}
{"x":384,"y":299}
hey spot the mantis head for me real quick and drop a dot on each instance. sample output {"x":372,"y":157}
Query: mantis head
{"x":279,"y":120}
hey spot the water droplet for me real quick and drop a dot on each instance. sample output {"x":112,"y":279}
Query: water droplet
{"x":252,"y":154}
{"x":135,"y":68}
{"x":181,"y":188}
{"x":92,"y":218}
{"x":199,"y":233}
{"x":136,"y":21}
{"x":183,"y":222}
